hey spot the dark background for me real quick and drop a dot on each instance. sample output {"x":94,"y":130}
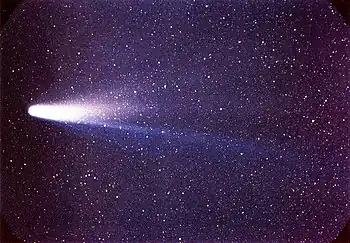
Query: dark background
{"x":14,"y":112}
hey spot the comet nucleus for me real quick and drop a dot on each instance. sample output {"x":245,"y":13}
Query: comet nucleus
{"x":65,"y":113}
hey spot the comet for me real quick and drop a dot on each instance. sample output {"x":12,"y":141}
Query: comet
{"x":85,"y":111}
{"x":117,"y":116}
{"x":66,"y":113}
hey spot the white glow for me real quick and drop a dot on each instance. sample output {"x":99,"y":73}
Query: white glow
{"x":67,"y":113}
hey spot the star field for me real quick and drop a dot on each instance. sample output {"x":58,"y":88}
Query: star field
{"x":212,"y":121}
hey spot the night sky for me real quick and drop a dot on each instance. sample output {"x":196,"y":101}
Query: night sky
{"x":219,"y":121}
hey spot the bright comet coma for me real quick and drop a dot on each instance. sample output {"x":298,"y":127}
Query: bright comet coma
{"x":65,"y":113}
